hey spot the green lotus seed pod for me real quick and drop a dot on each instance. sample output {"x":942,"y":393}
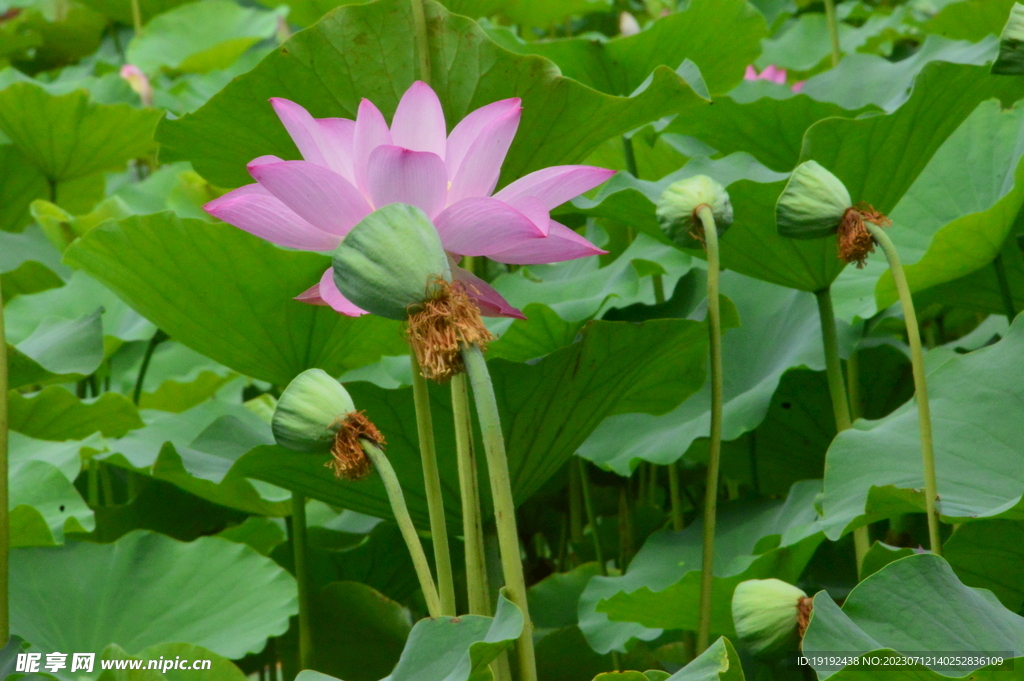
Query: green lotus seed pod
{"x":813,"y":203}
{"x":310,"y":411}
{"x":677,"y":208}
{"x":386,"y":263}
{"x":766,"y":613}
{"x":1010,"y":61}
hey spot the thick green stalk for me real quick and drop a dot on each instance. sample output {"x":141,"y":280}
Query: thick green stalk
{"x":432,"y":487}
{"x":158,"y":338}
{"x":707,"y":219}
{"x":298,"y":527}
{"x":924,"y":416}
{"x":419,"y":20}
{"x":504,"y":505}
{"x":675,"y":497}
{"x":837,"y":390}
{"x":136,"y":17}
{"x":588,"y":502}
{"x":833,"y":30}
{"x":853,"y":384}
{"x":1004,"y":288}
{"x":404,"y":520}
{"x":472,"y":523}
{"x":5,"y":517}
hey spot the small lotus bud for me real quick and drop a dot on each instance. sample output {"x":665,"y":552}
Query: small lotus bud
{"x":677,"y":209}
{"x":389,"y":260}
{"x":1010,"y":61}
{"x":813,"y":203}
{"x":316,"y":414}
{"x":770,"y":616}
{"x":138,"y":82}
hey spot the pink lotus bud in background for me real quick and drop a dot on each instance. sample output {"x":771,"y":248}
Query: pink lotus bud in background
{"x":138,"y":82}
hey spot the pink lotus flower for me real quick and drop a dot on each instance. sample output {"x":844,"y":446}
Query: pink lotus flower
{"x":138,"y":82}
{"x":771,"y":73}
{"x":352,"y":168}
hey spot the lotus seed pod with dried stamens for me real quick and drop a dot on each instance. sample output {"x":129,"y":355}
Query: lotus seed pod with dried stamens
{"x":386,"y":263}
{"x":306,"y":417}
{"x":1010,"y":61}
{"x":316,"y":414}
{"x":677,"y":209}
{"x":770,"y":616}
{"x":813,"y":203}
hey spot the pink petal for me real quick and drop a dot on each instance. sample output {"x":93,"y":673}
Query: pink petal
{"x":751,"y":73}
{"x":419,"y":121}
{"x":798,"y":86}
{"x":398,"y":175}
{"x":326,"y":293}
{"x":490,"y":302}
{"x":555,"y":185}
{"x":469,"y":129}
{"x":254,"y":210}
{"x":534,"y":209}
{"x":340,"y":135}
{"x":478,"y":173}
{"x":317,"y":139}
{"x":560,"y":244}
{"x":319,"y":195}
{"x":774,"y":74}
{"x":481,"y":226}
{"x":371,"y":131}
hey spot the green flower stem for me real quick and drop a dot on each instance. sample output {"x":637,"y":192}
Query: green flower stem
{"x":419,"y":20}
{"x":674,"y":496}
{"x":833,"y":30}
{"x":472,"y":524}
{"x":158,"y":338}
{"x":404,"y":520}
{"x":136,"y":17}
{"x":853,"y":385}
{"x":837,"y":390}
{"x":432,"y":486}
{"x":5,"y":517}
{"x":588,"y":502}
{"x":575,"y":503}
{"x":1004,"y":288}
{"x":504,"y":506}
{"x":707,"y":220}
{"x":920,"y":383}
{"x":298,"y":527}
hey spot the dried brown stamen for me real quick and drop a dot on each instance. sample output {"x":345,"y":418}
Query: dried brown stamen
{"x":349,"y":460}
{"x":855,"y":241}
{"x":439,"y":327}
{"x":804,"y":608}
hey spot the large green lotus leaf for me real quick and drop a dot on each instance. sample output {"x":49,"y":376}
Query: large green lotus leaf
{"x":28,"y":262}
{"x":970,"y":19}
{"x":967,"y":215}
{"x":879,"y":157}
{"x":896,"y":608}
{"x":978,"y":455}
{"x":541,"y":333}
{"x":358,"y":633}
{"x":548,"y":408}
{"x":20,"y":184}
{"x":990,"y":554}
{"x":581,"y":289}
{"x":220,"y":668}
{"x":68,"y":136}
{"x":922,"y":673}
{"x":661,"y":588}
{"x":228,"y":295}
{"x":44,"y":503}
{"x":869,"y":79}
{"x":553,"y":600}
{"x":720,"y":36}
{"x":772,"y":130}
{"x":306,"y":12}
{"x":779,"y":329}
{"x":562,"y":119}
{"x":56,"y":414}
{"x":147,"y":589}
{"x":979,"y":291}
{"x":65,"y":36}
{"x":78,"y":297}
{"x":57,"y":351}
{"x":529,"y":14}
{"x":200,"y":36}
{"x":458,"y":648}
{"x":196,"y":450}
{"x":565,"y":655}
{"x":718,"y":663}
